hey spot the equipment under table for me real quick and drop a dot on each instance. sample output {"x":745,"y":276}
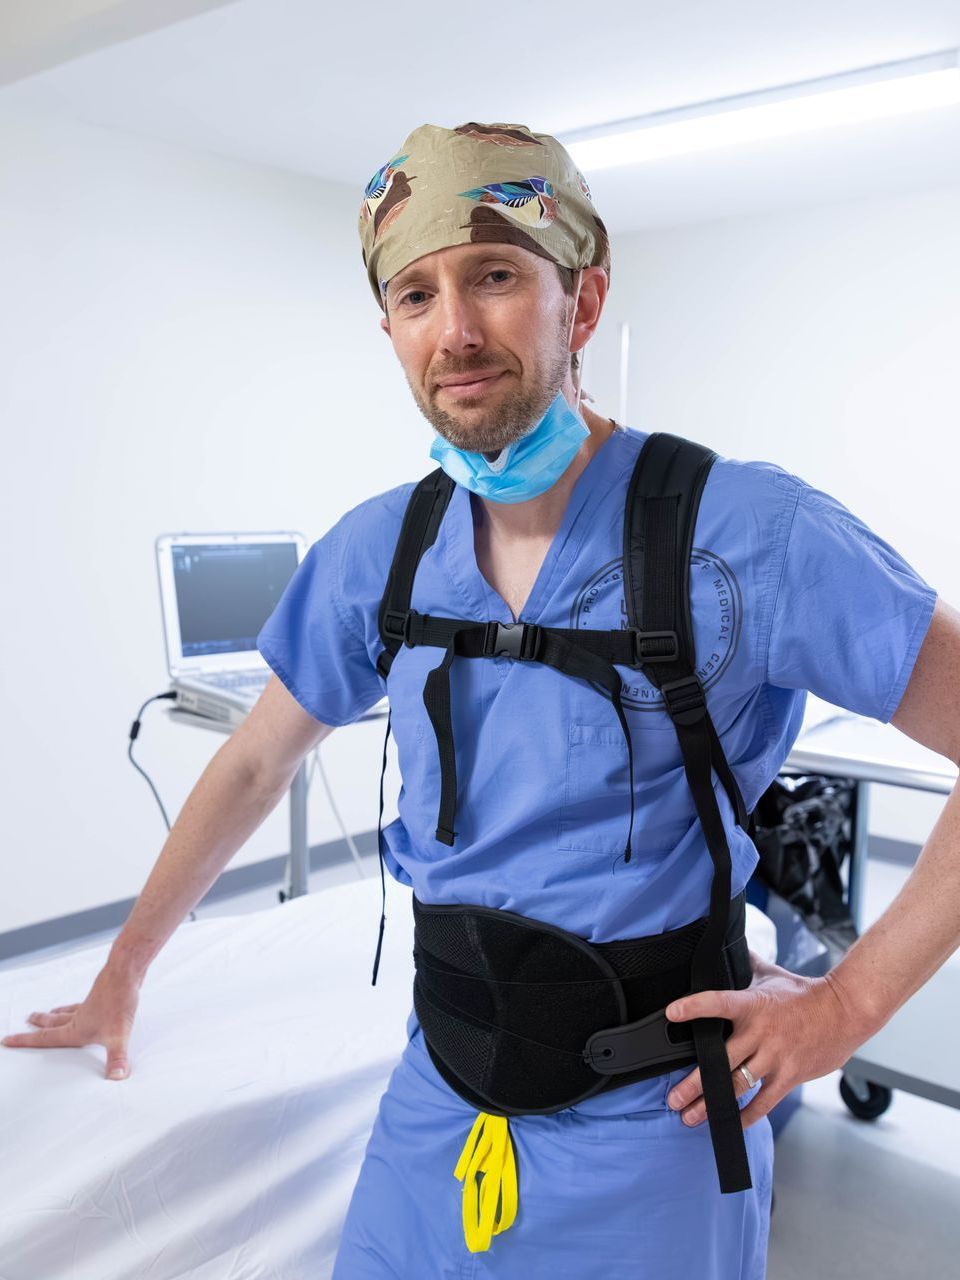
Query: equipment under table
{"x":919,"y":1048}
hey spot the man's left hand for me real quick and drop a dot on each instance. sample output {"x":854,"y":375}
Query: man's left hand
{"x":786,"y":1029}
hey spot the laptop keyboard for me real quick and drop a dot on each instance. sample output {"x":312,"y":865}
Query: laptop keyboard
{"x":239,"y":679}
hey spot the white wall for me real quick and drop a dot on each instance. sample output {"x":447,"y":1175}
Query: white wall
{"x":188,"y":343}
{"x":824,"y":340}
{"x":191,"y":343}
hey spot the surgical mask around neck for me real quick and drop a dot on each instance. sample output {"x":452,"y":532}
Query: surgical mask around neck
{"x":529,"y":466}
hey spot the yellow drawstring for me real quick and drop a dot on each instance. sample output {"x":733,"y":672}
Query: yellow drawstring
{"x":488,"y":1152}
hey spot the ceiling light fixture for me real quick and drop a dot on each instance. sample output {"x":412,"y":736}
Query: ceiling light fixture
{"x":893,"y":88}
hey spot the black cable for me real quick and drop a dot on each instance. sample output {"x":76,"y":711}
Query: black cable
{"x":134,"y":732}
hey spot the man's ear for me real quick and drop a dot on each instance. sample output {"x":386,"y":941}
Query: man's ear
{"x":593,"y":293}
{"x":385,"y":326}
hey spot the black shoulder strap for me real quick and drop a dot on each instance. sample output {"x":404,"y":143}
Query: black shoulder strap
{"x":421,"y":522}
{"x":662,"y":503}
{"x":663,"y":499}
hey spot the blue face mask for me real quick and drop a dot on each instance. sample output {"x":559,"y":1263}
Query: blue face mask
{"x":530,"y":465}
{"x":525,"y":468}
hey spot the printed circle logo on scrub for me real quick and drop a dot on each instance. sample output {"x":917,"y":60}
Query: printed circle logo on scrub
{"x":717,"y":614}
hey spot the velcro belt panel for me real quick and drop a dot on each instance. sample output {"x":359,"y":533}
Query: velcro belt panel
{"x":507,"y":1004}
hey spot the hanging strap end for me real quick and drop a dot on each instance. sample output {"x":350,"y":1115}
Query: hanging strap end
{"x":376,"y":959}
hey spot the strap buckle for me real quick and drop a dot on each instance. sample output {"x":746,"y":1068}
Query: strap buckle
{"x":645,"y":1043}
{"x":519,"y":640}
{"x":397,"y":625}
{"x":641,"y":637}
{"x":684,"y":699}
{"x":648,"y":1042}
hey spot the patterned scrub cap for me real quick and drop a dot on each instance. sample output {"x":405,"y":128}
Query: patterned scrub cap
{"x":478,"y":183}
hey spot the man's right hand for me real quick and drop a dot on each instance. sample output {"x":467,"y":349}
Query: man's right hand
{"x":105,"y":1017}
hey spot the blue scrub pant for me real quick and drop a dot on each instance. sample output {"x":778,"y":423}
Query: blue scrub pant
{"x":620,"y":1197}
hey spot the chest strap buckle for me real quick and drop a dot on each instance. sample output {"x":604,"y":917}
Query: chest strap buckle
{"x":520,"y":640}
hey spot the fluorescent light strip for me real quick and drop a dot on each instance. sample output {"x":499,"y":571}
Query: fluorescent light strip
{"x":893,"y":89}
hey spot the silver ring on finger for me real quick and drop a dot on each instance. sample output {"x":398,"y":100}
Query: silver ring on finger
{"x":745,"y":1071}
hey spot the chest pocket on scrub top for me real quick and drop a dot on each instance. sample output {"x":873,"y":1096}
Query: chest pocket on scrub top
{"x":595,"y":802}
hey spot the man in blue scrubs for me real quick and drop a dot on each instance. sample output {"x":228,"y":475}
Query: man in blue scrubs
{"x":491,"y":266}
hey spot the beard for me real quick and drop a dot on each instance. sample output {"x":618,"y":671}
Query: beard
{"x":517,"y":409}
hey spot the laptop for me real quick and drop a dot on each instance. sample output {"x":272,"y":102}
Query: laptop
{"x":216,"y":592}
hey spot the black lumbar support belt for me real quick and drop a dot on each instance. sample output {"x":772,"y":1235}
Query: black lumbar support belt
{"x":524,"y":1018}
{"x":519,"y":1016}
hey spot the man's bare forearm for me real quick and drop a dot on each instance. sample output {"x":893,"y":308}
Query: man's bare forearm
{"x":915,"y":935}
{"x":222,"y":811}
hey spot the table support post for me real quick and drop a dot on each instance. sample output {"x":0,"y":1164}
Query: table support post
{"x":299,"y":862}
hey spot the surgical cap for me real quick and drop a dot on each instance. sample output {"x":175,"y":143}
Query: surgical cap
{"x":478,"y":184}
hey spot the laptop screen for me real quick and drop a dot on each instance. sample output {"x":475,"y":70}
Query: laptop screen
{"x":226,"y":591}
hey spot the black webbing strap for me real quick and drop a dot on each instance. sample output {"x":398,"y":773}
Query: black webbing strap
{"x":418,"y":531}
{"x":586,"y":654}
{"x":663,"y":499}
{"x":472,"y":640}
{"x":421,"y":522}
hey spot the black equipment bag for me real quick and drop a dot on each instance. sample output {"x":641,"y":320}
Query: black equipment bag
{"x":662,"y":501}
{"x":802,"y":826}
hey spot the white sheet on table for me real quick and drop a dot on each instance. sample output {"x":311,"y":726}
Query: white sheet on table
{"x":258,"y":1057}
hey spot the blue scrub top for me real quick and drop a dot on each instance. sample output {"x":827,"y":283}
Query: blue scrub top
{"x":790,"y":592}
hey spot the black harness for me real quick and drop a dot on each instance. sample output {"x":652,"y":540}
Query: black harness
{"x":519,"y":1016}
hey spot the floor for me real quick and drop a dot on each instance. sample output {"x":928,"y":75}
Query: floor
{"x":877,"y":1200}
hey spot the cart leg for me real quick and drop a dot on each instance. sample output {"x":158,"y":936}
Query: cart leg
{"x":858,"y":856}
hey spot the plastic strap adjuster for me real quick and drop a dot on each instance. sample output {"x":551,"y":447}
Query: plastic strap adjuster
{"x":684,"y":698}
{"x":641,"y":637}
{"x":518,"y":640}
{"x":397,"y":625}
{"x":647,"y":1042}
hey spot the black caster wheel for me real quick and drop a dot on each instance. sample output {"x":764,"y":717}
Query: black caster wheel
{"x":875,"y":1104}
